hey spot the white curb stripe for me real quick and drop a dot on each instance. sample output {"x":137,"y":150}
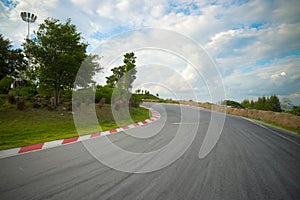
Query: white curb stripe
{"x":9,"y":152}
{"x":52,"y":144}
{"x":46,"y":145}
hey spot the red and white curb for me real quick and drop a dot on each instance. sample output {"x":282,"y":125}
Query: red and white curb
{"x":45,"y":145}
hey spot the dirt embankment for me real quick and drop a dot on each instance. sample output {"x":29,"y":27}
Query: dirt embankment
{"x":284,"y":119}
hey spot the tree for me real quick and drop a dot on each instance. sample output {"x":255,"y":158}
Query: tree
{"x":123,"y":76}
{"x":267,"y":103}
{"x":138,"y":91}
{"x":12,"y":61}
{"x":89,"y":67}
{"x":274,"y":104}
{"x":295,"y":110}
{"x":121,"y":80}
{"x":259,"y":104}
{"x":246,"y":103}
{"x":57,"y":50}
{"x":232,"y":104}
{"x":118,"y":73}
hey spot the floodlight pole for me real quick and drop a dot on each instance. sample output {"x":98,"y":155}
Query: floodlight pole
{"x":29,"y":18}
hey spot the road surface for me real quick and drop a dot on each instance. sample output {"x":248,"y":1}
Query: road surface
{"x":248,"y":162}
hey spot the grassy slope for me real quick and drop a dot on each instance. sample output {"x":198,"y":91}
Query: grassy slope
{"x":31,"y":126}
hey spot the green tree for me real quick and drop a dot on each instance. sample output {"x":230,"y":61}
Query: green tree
{"x":121,"y":80}
{"x":138,"y":91}
{"x":252,"y":104}
{"x":12,"y":61}
{"x":89,"y":67}
{"x":123,"y":76}
{"x":232,"y":104}
{"x":246,"y":103}
{"x":118,"y":73}
{"x":260,"y":103}
{"x":274,"y":104}
{"x":57,"y":50}
{"x":295,"y":110}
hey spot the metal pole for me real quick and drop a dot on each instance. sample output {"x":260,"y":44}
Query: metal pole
{"x":29,"y":18}
{"x":28,"y":31}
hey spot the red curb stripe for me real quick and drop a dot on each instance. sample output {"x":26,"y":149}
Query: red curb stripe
{"x":31,"y":148}
{"x":95,"y":135}
{"x":69,"y":140}
{"x":113,"y":131}
{"x":155,"y":116}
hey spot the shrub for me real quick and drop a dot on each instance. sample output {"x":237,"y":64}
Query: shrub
{"x":50,"y":107}
{"x":21,"y":104}
{"x":103,"y":92}
{"x":36,"y":104}
{"x":5,"y":84}
{"x":11,"y":99}
{"x":101,"y":103}
{"x":135,"y":100}
{"x":28,"y":92}
{"x":3,"y":98}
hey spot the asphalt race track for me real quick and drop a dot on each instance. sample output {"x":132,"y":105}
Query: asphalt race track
{"x":249,"y":161}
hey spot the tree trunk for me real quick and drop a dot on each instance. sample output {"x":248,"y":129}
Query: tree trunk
{"x":55,"y":93}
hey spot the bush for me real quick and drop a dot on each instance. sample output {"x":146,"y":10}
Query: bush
{"x":135,"y":100}
{"x":11,"y":99}
{"x":101,"y":103}
{"x":21,"y":104}
{"x":233,"y":104}
{"x":27,"y":92}
{"x":103,"y":92}
{"x":36,"y":104}
{"x":3,"y":98}
{"x":295,"y":110}
{"x":5,"y":84}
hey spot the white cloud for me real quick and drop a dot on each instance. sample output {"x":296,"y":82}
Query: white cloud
{"x":255,"y":43}
{"x":280,"y":77}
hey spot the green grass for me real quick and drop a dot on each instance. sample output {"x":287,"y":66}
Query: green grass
{"x":32,"y":126}
{"x":294,"y":130}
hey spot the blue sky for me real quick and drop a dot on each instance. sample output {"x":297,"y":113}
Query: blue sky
{"x":255,"y":45}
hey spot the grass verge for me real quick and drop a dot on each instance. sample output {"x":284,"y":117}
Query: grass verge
{"x":294,"y":130}
{"x":32,"y":126}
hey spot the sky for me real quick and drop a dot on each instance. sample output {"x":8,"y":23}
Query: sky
{"x":207,"y":50}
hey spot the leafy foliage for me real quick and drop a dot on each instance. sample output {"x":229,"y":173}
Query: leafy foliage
{"x":295,"y":110}
{"x":264,"y":103}
{"x":124,"y":75}
{"x":103,"y":92}
{"x":89,"y":67}
{"x":5,"y":84}
{"x":57,"y":52}
{"x":12,"y":61}
{"x":232,"y":104}
{"x":121,"y":80}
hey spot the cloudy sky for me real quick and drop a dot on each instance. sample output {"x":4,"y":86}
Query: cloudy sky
{"x":184,"y":49}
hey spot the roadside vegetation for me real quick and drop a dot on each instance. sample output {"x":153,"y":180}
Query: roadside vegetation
{"x":31,"y":125}
{"x":38,"y":83}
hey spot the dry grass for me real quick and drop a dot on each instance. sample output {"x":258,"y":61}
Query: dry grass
{"x":284,"y":119}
